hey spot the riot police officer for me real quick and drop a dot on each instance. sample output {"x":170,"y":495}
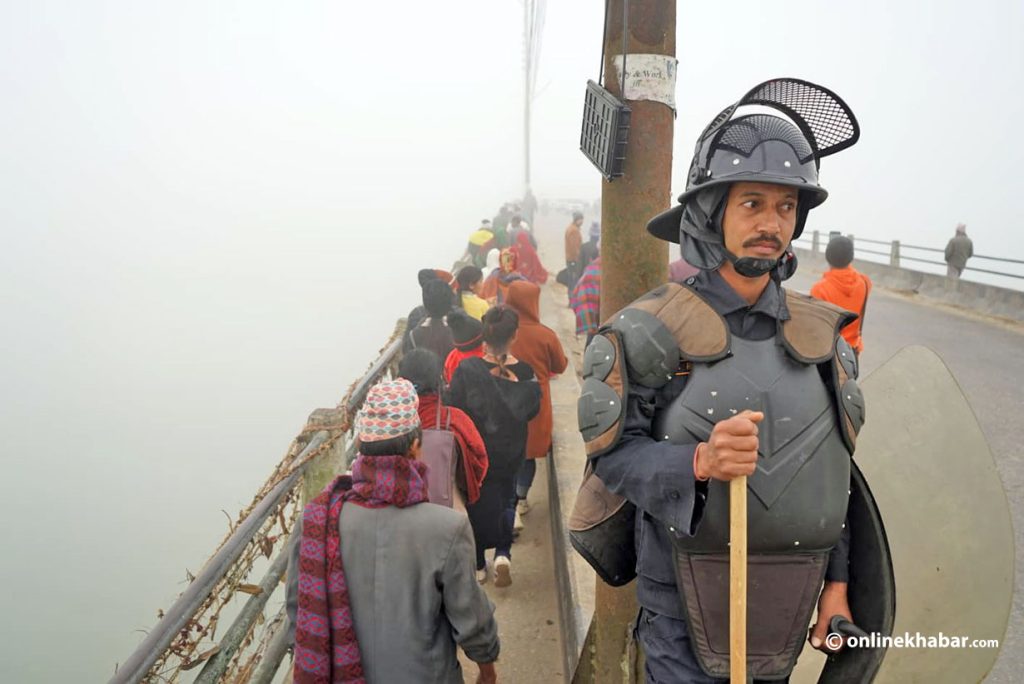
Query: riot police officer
{"x":728,"y":374}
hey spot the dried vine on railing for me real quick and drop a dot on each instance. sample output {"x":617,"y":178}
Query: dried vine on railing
{"x":241,"y":672}
{"x":197,"y":641}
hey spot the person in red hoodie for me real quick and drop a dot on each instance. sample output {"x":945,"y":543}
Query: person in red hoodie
{"x":844,"y":286}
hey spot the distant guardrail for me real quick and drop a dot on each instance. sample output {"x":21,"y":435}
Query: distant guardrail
{"x":1003,"y":298}
{"x":895,"y":253}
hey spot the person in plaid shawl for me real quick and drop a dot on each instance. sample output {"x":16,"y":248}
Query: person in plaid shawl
{"x":381,"y":583}
{"x":585,"y":300}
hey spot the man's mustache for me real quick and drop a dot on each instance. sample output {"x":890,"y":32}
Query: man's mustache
{"x":764,"y":240}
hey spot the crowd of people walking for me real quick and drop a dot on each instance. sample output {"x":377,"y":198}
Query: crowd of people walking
{"x":494,"y":360}
{"x":447,"y":453}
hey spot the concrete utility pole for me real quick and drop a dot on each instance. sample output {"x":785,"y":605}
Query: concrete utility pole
{"x":633,"y":262}
{"x":527,"y":89}
{"x":533,"y":28}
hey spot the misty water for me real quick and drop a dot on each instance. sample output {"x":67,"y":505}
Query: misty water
{"x":127,"y":440}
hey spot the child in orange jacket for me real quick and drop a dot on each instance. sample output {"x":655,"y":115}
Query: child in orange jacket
{"x":844,"y":286}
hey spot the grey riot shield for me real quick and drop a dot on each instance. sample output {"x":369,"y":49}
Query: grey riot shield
{"x":927,"y":470}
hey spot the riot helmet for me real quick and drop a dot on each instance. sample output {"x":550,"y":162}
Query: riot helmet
{"x":757,"y":147}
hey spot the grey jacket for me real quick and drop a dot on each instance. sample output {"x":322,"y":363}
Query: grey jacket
{"x":958,"y":250}
{"x":413,"y":589}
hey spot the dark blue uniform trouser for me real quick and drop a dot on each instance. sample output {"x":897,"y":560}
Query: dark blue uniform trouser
{"x":668,"y":654}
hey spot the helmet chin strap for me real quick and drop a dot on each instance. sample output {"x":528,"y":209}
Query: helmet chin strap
{"x":749,"y":267}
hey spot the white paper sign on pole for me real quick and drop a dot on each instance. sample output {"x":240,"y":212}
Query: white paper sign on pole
{"x":649,"y":77}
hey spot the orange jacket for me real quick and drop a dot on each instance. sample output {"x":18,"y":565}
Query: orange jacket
{"x":537,"y":345}
{"x":573,"y":242}
{"x":847,"y":288}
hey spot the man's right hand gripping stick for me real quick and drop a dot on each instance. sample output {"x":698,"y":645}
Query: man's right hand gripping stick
{"x":731,"y":450}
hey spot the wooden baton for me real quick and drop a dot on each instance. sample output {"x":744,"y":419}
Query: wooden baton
{"x":738,"y":580}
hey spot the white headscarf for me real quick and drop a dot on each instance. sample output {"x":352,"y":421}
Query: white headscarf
{"x":493,"y":261}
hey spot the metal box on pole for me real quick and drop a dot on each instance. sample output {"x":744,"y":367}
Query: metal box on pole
{"x":605,"y":130}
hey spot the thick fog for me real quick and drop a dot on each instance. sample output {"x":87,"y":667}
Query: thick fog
{"x":212,"y":215}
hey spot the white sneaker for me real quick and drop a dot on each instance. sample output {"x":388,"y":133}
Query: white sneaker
{"x":502,"y":571}
{"x":517,"y":524}
{"x":481,"y":575}
{"x":523,"y":507}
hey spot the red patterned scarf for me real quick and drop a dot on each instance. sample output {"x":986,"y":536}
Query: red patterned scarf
{"x":326,"y":650}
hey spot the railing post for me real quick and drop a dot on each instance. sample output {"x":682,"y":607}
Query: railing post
{"x":331,"y":462}
{"x":815,"y":242}
{"x":894,"y":254}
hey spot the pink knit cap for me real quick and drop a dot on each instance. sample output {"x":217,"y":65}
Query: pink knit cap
{"x":390,"y":411}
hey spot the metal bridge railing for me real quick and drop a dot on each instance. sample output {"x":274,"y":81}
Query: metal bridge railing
{"x":253,"y":647}
{"x":895,"y":249}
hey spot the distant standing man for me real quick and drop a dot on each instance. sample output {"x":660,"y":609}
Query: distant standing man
{"x":958,"y":250}
{"x":530,"y":206}
{"x":590,"y":249}
{"x":573,"y":242}
{"x":846,"y":287}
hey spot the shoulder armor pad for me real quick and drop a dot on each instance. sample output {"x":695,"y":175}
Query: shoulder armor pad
{"x":600,"y":357}
{"x":668,"y":323}
{"x":810,"y":333}
{"x":847,"y":358}
{"x":602,"y":403}
{"x":849,"y":399}
{"x":699,"y":331}
{"x":652,"y":354}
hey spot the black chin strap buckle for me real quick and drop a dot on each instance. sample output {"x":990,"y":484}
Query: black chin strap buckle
{"x":749,"y":267}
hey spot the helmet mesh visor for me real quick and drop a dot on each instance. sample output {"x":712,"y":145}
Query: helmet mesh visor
{"x":829,"y":119}
{"x":745,"y":134}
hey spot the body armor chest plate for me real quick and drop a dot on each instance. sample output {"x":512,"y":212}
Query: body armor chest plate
{"x":798,"y":495}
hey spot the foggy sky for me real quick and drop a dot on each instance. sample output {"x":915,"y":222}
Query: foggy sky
{"x":212,"y":214}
